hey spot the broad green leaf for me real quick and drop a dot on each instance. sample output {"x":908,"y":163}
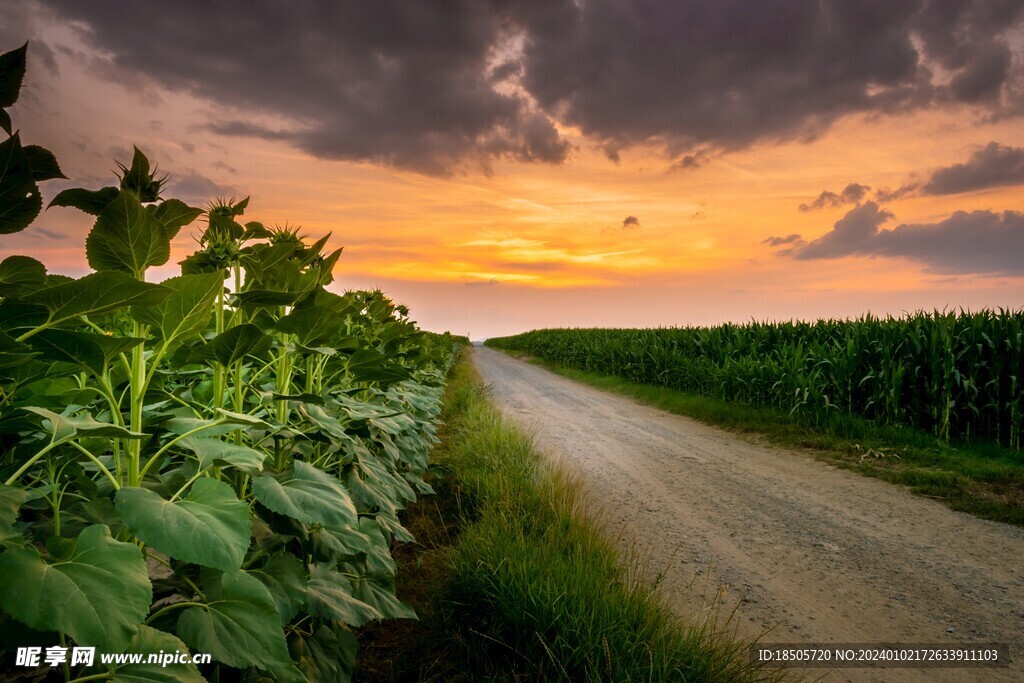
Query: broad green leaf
{"x":5,"y":122}
{"x":19,"y":272}
{"x":238,"y":342}
{"x":329,"y":655}
{"x":11,"y":499}
{"x":239,"y":625}
{"x":285,"y":578}
{"x":242,"y":418}
{"x":336,"y":544}
{"x":175,"y":214}
{"x":218,"y":427}
{"x":93,"y":352}
{"x":186,"y":311}
{"x":311,"y":326}
{"x":325,"y":267}
{"x":267,"y":297}
{"x":12,"y":72}
{"x":62,"y":427}
{"x":149,"y":641}
{"x":256,"y":230}
{"x":127,"y":238}
{"x":20,"y":201}
{"x":329,"y":596}
{"x":307,"y":494}
{"x":229,"y":420}
{"x":99,"y":594}
{"x":210,"y":526}
{"x":382,"y":598}
{"x":202,"y":262}
{"x":216,"y":452}
{"x":388,"y":519}
{"x":224,"y":226}
{"x":95,"y":293}
{"x":13,"y":353}
{"x":379,"y":562}
{"x":259,"y":260}
{"x":90,"y":201}
{"x":313,"y":251}
{"x":42,"y":162}
{"x":324,"y":421}
{"x":99,"y":511}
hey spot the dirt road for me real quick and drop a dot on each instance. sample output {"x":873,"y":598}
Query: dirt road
{"x":816,"y":553}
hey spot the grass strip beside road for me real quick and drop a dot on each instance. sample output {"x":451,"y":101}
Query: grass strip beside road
{"x":980,"y":479}
{"x":513,"y":582}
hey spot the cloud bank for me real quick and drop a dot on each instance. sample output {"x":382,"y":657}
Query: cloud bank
{"x":976,"y":242}
{"x":436,"y":87}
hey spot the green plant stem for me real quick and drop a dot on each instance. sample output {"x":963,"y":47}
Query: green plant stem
{"x":219,"y":371}
{"x":137,"y":400}
{"x":64,"y":643}
{"x":239,"y":404}
{"x":187,"y":484}
{"x":168,"y":608}
{"x":31,"y":461}
{"x":175,"y":440}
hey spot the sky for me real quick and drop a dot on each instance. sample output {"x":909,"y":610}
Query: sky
{"x":502,"y":166}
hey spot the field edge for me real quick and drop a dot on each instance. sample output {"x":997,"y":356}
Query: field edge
{"x":514,"y":581}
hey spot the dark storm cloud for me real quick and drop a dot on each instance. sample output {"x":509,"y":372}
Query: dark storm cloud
{"x":397,"y":83}
{"x":851,"y":194}
{"x":979,"y":242}
{"x":994,"y":165}
{"x":17,"y":27}
{"x":727,"y":73}
{"x":630,"y":222}
{"x":430,"y":86}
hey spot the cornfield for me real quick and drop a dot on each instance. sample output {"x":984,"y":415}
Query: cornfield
{"x":956,"y":375}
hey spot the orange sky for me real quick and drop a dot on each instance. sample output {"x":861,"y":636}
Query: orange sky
{"x":528,"y":245}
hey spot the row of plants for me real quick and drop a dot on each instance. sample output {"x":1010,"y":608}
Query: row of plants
{"x":214,"y":463}
{"x":959,"y":376}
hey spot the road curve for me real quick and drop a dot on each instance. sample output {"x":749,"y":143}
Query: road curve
{"x":810,"y":551}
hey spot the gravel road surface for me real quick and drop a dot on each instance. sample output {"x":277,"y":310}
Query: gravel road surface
{"x":803,"y":550}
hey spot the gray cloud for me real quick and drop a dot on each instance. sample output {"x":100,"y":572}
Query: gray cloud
{"x":434,"y":86}
{"x":851,"y":194}
{"x":726,"y":73}
{"x":979,"y":242}
{"x":779,"y":241}
{"x":48,"y":233}
{"x":383,"y":82}
{"x":994,"y":165}
{"x":630,"y":222}
{"x":885,"y":195}
{"x":195,"y":188}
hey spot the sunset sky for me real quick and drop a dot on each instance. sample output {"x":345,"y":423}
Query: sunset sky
{"x":502,"y":166}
